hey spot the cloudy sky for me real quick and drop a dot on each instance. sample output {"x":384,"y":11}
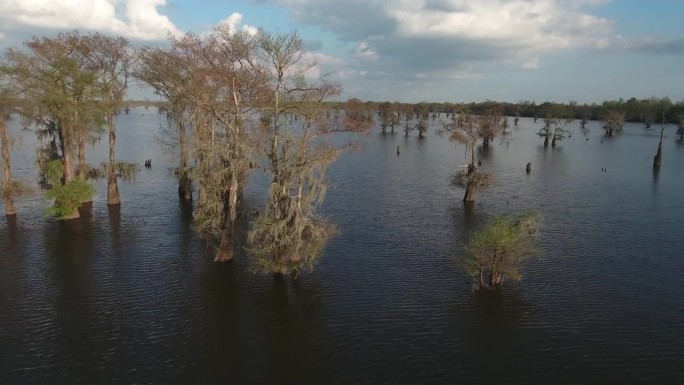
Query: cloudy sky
{"x":415,"y":50}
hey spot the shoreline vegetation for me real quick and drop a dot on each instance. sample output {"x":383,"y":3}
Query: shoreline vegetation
{"x":236,"y":102}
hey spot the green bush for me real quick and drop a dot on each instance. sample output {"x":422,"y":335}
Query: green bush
{"x":496,"y":253}
{"x":68,"y":198}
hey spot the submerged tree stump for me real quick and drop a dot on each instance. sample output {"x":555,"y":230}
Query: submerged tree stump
{"x":657,"y":159}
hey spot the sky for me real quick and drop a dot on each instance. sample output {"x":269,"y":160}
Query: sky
{"x":420,"y":50}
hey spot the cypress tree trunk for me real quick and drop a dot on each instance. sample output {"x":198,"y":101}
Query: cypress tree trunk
{"x":225,"y":249}
{"x":10,"y":209}
{"x":67,"y":151}
{"x":184,"y":182}
{"x":658,"y":157}
{"x":81,"y":173}
{"x":469,"y":194}
{"x":113,"y":197}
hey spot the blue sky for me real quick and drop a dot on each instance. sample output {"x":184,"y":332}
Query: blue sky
{"x":415,"y":50}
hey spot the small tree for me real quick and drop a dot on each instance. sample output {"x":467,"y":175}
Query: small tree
{"x":473,"y":181}
{"x":389,"y":116}
{"x":555,"y":125}
{"x":613,"y":121}
{"x":491,"y":124}
{"x":497,"y":252}
{"x":422,"y":126}
{"x":467,"y":130}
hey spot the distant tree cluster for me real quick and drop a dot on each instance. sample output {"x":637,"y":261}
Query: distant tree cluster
{"x":647,"y":111}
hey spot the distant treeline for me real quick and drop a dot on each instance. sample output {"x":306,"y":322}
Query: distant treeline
{"x":646,"y":111}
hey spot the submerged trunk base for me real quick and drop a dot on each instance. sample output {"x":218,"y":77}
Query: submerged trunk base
{"x":113,"y":197}
{"x":225,"y":250}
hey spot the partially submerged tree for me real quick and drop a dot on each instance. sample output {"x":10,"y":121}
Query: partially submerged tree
{"x":389,"y":116}
{"x":110,"y":59}
{"x":467,"y":130}
{"x":497,"y":252}
{"x":422,"y":127}
{"x":290,"y":235}
{"x":407,"y":116}
{"x":613,"y":121}
{"x":167,"y":71}
{"x":8,"y":187}
{"x":491,"y":124}
{"x":556,"y":121}
{"x":60,"y":93}
{"x":472,"y":182}
{"x":356,"y":116}
{"x":657,"y":159}
{"x":226,"y":85}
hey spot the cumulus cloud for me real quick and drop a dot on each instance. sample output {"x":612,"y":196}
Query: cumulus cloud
{"x":136,"y":19}
{"x":234,"y":23}
{"x":403,"y":38}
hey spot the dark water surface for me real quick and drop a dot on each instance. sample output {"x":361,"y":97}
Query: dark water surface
{"x":131,"y":296}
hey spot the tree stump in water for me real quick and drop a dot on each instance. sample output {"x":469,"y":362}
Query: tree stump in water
{"x":528,"y":168}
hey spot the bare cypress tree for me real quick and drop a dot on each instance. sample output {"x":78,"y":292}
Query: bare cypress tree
{"x":290,"y":235}
{"x":468,"y":130}
{"x":111,"y":60}
{"x":225,"y":85}
{"x":168,"y":73}
{"x":556,"y":121}
{"x":613,"y":121}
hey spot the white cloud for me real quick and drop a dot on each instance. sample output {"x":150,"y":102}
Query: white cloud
{"x":234,"y":21}
{"x":365,"y":52}
{"x":398,"y":43}
{"x":142,"y":18}
{"x":531,"y":64}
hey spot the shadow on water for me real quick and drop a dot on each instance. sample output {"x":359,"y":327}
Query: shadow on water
{"x":493,"y":333}
{"x":12,"y":235}
{"x":114,"y":216}
{"x":70,"y":256}
{"x":485,"y":153}
{"x":656,"y":176}
{"x":186,"y":232}
{"x":287,"y":313}
{"x":465,"y":219}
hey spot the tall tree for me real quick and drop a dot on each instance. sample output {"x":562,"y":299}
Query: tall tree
{"x":111,"y":60}
{"x":290,"y":235}
{"x":168,"y":72}
{"x":59,"y":93}
{"x":8,"y":185}
{"x":226,"y":86}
